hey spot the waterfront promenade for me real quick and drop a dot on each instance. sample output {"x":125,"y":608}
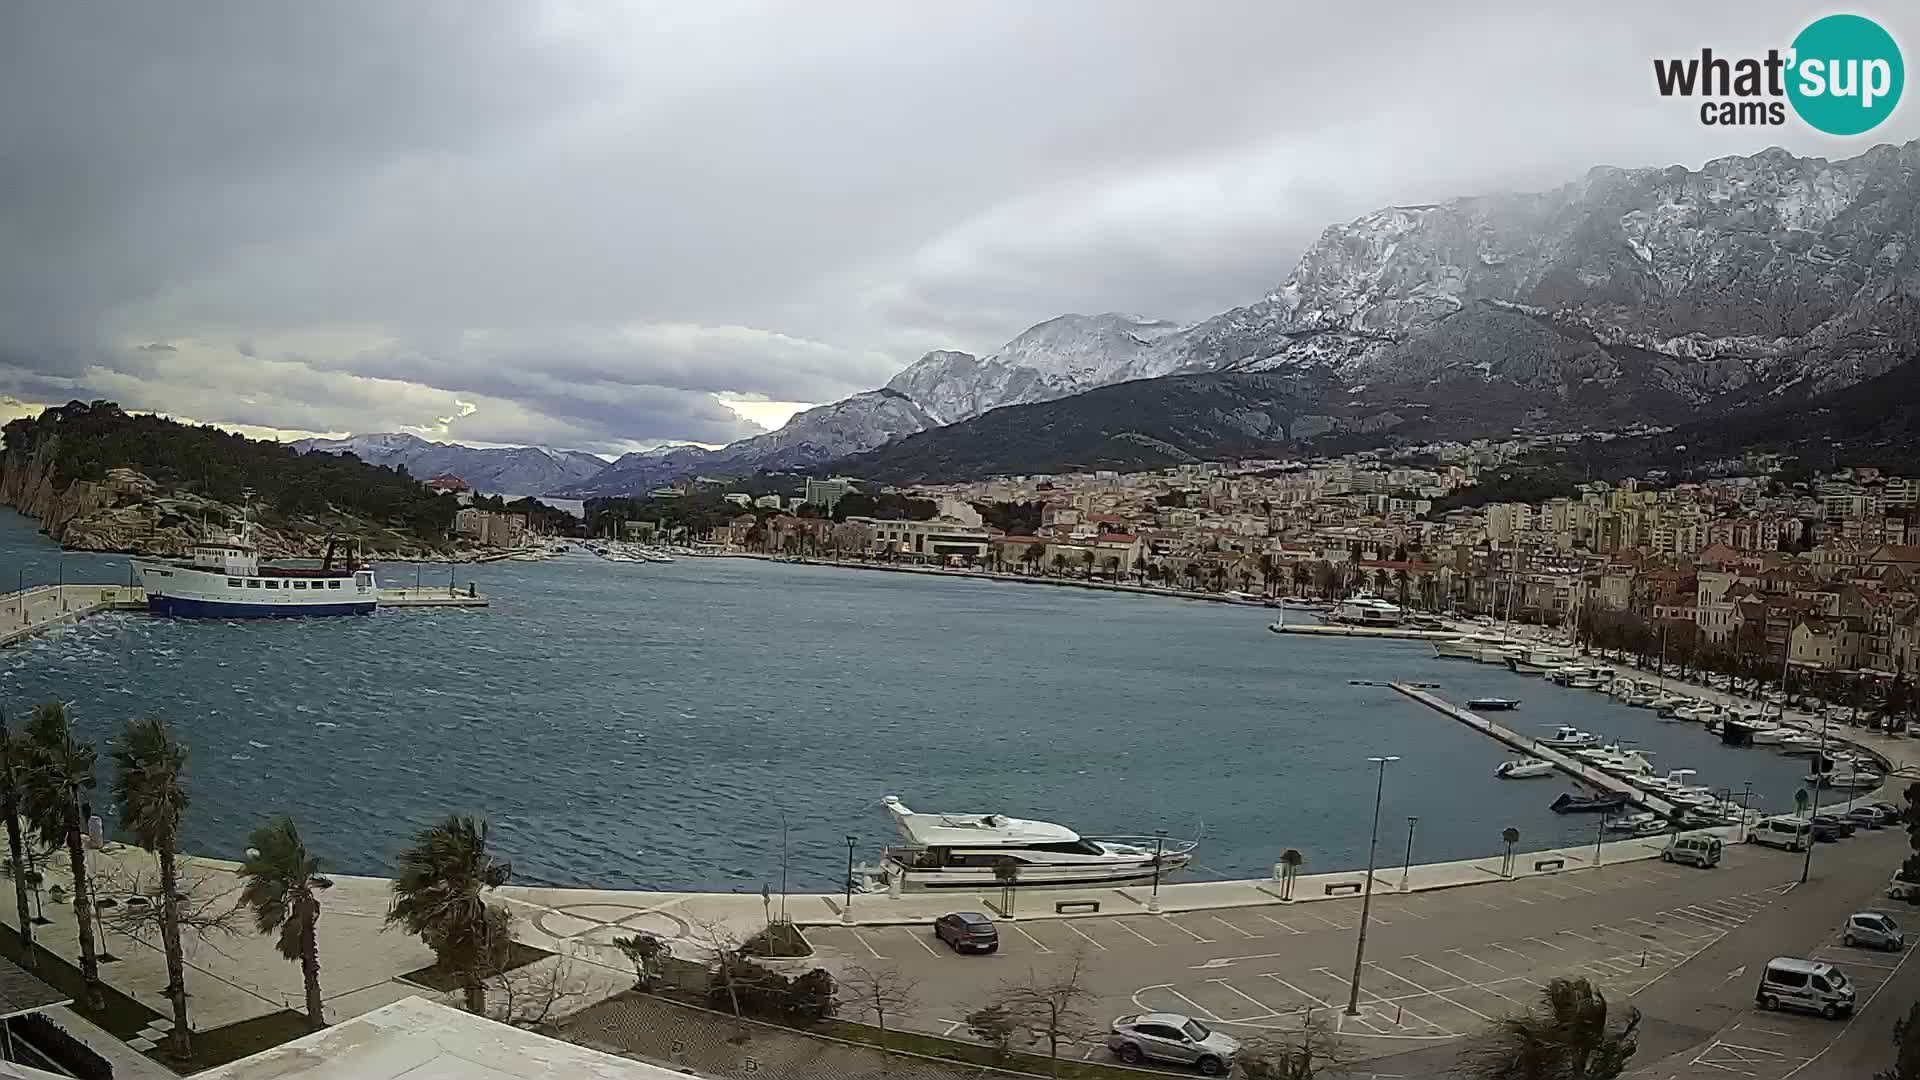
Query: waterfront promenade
{"x":45,"y":607}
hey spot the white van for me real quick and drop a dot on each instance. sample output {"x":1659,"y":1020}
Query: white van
{"x":1791,"y":833}
{"x":1812,"y":985}
{"x":1700,"y":851}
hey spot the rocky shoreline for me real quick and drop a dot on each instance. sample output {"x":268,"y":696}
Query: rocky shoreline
{"x":128,"y":513}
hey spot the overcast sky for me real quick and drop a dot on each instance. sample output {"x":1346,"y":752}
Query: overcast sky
{"x":591,"y":225}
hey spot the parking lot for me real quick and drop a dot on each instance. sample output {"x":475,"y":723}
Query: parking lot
{"x":1439,"y":965}
{"x":1774,"y":1045}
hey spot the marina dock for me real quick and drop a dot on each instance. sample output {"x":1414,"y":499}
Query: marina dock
{"x":1566,"y":763}
{"x":432,"y":598}
{"x":1334,"y":630}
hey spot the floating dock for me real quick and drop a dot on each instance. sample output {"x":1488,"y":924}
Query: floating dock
{"x":1566,"y":763}
{"x":432,"y":598}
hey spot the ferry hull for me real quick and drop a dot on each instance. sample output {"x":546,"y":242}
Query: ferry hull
{"x":185,"y":608}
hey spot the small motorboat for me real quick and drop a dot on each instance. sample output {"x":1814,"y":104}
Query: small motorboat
{"x":1569,"y":738}
{"x":1523,"y":769}
{"x":1647,"y":824}
{"x":1699,"y":712}
{"x":1768,"y":735}
{"x":1800,"y":743}
{"x":1606,"y":802}
{"x":1493,"y":704}
{"x":1847,"y":779}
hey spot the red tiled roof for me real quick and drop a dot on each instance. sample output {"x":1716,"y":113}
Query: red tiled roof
{"x":1116,"y":538}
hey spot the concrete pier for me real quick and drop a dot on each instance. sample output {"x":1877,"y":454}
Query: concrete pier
{"x":1566,"y":763}
{"x":32,"y":611}
{"x":431,"y":598}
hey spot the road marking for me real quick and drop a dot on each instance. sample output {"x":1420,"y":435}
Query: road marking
{"x":1482,"y":903}
{"x":1580,"y":888}
{"x":1548,"y":944}
{"x":1310,"y":997}
{"x":1136,"y":933}
{"x":1205,"y":1013}
{"x":1280,"y":924}
{"x":1329,"y":922}
{"x":1555,"y":895}
{"x":1464,"y":982}
{"x":1083,"y":935}
{"x":1232,"y":989}
{"x":1441,"y":994}
{"x":1464,"y":956}
{"x":1380,"y":1003}
{"x":1029,"y":937}
{"x":869,"y":945}
{"x":1230,"y":926}
{"x":1189,"y":933}
{"x":1581,"y":936}
{"x":918,"y":941}
{"x":1504,"y":949}
{"x":1412,"y":914}
{"x":1682,"y":913}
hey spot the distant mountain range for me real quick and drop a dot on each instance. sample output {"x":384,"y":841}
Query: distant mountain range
{"x":1660,"y":295}
{"x":514,"y":470}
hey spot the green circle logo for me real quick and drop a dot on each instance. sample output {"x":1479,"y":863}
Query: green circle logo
{"x":1847,"y":74}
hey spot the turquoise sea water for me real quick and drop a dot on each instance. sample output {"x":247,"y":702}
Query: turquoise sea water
{"x":649,"y":725}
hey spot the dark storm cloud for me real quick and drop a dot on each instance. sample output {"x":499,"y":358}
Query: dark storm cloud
{"x":585,"y":219}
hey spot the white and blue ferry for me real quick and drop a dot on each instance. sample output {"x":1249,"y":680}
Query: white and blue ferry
{"x":224,"y":580}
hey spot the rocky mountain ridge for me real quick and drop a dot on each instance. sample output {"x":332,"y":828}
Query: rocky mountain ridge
{"x":813,"y":437}
{"x":511,"y":470}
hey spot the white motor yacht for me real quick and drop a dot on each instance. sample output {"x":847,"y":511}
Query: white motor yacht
{"x":1800,"y":742}
{"x":1698,"y":712}
{"x":1768,"y":735}
{"x":1365,"y":609}
{"x":973,"y":851}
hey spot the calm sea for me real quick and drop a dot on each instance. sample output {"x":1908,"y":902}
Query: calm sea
{"x":647,"y":725}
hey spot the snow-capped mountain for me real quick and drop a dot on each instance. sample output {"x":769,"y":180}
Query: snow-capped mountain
{"x":821,"y":434}
{"x":1748,"y":274}
{"x":1056,"y":358}
{"x":1658,"y":294}
{"x":513,"y":470}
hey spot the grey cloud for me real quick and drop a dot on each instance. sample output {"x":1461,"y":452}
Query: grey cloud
{"x":588,"y":217}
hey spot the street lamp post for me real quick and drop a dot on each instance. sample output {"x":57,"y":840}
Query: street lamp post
{"x":1407,"y":867}
{"x":1813,"y":804}
{"x":1599,"y":835}
{"x":846,"y":914}
{"x":1366,"y":902}
{"x":1159,"y":845}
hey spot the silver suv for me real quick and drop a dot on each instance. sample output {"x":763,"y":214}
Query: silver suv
{"x":1173,"y":1038}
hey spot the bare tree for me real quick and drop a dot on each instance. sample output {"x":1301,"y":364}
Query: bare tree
{"x":1049,"y":1006}
{"x":993,"y":1025}
{"x":878,"y":993}
{"x":527,"y":997}
{"x":644,"y":951}
{"x":724,"y":946}
{"x":1302,"y":1055}
{"x":141,"y":915}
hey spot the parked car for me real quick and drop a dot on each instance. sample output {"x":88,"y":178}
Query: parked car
{"x":1828,"y":827}
{"x":1173,"y":1038}
{"x":1874,"y":930}
{"x":967,"y":931}
{"x":1865,"y":816}
{"x":1700,"y":851}
{"x":1812,"y":985}
{"x":1889,"y":813}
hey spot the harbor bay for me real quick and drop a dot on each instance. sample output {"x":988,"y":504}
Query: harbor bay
{"x":653,"y":725}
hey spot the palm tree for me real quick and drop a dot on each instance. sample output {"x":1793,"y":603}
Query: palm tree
{"x":16,"y":850}
{"x":1568,"y":1036}
{"x":282,"y":890}
{"x":1266,"y":573}
{"x":1400,"y":585}
{"x":1302,"y":577}
{"x":57,"y":768}
{"x":438,"y":895}
{"x":147,"y":766}
{"x":1059,"y":562}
